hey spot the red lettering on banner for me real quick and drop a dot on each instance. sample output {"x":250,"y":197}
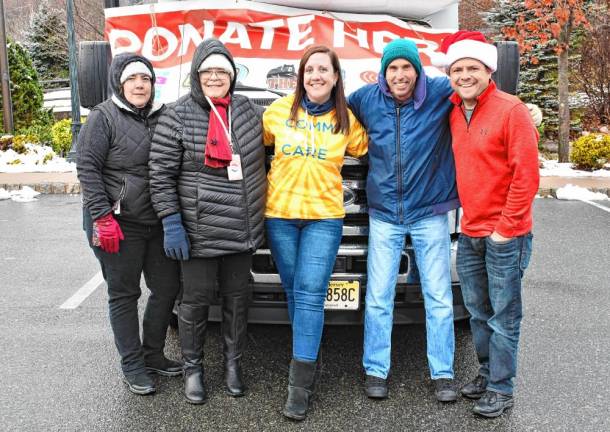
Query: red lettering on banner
{"x":255,"y":34}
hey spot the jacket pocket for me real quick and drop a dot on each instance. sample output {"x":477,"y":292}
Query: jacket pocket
{"x":134,"y":198}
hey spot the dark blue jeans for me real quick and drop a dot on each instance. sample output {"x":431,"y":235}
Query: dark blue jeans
{"x":140,"y":252}
{"x":490,"y":274}
{"x":304,"y":252}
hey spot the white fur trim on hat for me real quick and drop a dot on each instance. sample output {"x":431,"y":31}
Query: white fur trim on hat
{"x":217,"y":61}
{"x":133,"y":68}
{"x":468,"y":48}
{"x":438,"y":59}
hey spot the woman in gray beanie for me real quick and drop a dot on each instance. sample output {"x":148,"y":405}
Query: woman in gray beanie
{"x":122,"y":228}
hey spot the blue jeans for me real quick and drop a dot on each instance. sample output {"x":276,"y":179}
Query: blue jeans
{"x":432,"y":246}
{"x":490,"y":274}
{"x":304,"y":252}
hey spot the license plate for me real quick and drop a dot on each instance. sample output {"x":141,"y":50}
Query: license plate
{"x":342,"y":295}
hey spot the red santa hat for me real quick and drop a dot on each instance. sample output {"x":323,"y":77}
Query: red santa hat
{"x":467,"y":44}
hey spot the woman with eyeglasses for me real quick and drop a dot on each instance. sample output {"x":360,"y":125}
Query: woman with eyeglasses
{"x":311,"y":132}
{"x":208,"y":185}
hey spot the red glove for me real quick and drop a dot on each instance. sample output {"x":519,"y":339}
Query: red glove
{"x":107,"y":234}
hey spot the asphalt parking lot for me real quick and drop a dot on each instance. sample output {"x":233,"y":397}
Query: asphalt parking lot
{"x":61,"y":372}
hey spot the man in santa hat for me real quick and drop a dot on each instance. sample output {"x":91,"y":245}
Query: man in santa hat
{"x":495,"y":148}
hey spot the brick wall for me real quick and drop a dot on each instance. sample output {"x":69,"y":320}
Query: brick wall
{"x":469,"y":14}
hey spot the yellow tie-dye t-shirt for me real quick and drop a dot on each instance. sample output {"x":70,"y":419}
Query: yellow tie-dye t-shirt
{"x":305,"y":176}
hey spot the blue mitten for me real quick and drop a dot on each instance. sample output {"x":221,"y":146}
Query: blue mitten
{"x":176,"y":242}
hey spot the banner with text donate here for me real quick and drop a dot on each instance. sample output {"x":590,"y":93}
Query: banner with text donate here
{"x":266,"y":41}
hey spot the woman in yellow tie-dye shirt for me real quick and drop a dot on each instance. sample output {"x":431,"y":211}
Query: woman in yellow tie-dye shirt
{"x":311,"y":131}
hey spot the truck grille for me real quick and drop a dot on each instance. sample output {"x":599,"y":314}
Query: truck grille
{"x":351,"y":259}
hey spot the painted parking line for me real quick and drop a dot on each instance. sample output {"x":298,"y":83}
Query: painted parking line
{"x":85,"y":291}
{"x":599,"y":206}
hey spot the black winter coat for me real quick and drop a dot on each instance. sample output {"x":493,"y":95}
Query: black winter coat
{"x":220,"y":216}
{"x":112,"y":154}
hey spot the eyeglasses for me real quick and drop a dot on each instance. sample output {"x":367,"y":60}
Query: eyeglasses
{"x":220,"y":74}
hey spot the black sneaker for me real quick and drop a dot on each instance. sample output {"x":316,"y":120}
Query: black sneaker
{"x":375,"y":387}
{"x":492,"y":404}
{"x":444,"y":390}
{"x":140,"y":384}
{"x":165,"y":367}
{"x":475,"y":388}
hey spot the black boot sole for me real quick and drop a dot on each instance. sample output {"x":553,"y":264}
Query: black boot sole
{"x":445,"y":399}
{"x":140,"y":391}
{"x":493,"y":414}
{"x":293,"y":416}
{"x":235,"y":394}
{"x":164,"y":372}
{"x":378,"y":394}
{"x":472,"y":396}
{"x":195,"y":402}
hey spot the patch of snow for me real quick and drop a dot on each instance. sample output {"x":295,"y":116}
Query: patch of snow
{"x":554,"y":168}
{"x":26,"y":194}
{"x":37,"y":158}
{"x":571,"y":192}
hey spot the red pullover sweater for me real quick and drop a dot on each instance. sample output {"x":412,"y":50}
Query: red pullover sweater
{"x":496,"y":161}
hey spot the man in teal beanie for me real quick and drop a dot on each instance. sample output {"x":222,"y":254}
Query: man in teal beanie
{"x":410,"y":190}
{"x":401,"y":48}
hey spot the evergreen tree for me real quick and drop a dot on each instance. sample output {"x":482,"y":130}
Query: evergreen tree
{"x":47,"y":43}
{"x":538,"y":77}
{"x":26,"y":93}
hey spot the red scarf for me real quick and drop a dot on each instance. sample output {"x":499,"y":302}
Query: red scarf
{"x":218,"y":152}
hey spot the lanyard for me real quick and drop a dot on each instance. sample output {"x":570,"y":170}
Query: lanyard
{"x":222,"y":123}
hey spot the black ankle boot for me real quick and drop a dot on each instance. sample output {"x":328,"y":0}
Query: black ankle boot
{"x":192,"y":322}
{"x":194,"y":387}
{"x":234,"y":334}
{"x":301,"y":380}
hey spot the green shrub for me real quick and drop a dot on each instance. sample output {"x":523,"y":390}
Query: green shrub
{"x":18,"y":144}
{"x":5,"y":142}
{"x":48,"y":157}
{"x":23,"y":139}
{"x":62,"y":137}
{"x":26,"y":92}
{"x":40,"y":128}
{"x":591,"y":152}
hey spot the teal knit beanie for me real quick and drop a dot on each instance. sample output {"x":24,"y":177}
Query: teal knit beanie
{"x":400,"y":48}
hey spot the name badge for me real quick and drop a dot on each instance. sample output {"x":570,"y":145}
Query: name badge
{"x":234,"y":168}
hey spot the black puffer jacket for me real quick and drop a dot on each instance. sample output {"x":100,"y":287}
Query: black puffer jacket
{"x":221,"y":217}
{"x":113,"y":150}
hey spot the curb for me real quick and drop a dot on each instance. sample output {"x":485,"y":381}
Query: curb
{"x":552,"y":192}
{"x":74,"y":188}
{"x":46,"y":187}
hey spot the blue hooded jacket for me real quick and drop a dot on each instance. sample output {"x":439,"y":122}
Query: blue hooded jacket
{"x":411,"y":167}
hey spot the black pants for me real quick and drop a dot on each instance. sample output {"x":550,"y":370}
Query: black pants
{"x":200,"y":277}
{"x":140,"y":252}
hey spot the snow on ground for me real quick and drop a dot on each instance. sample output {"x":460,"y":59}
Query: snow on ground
{"x":24,"y":195}
{"x":554,"y":168}
{"x":37,"y":159}
{"x":571,"y":192}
